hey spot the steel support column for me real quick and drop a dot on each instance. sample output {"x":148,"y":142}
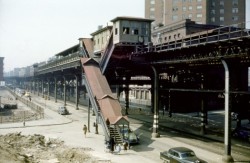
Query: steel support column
{"x":155,"y":133}
{"x":77,"y":93}
{"x":203,"y":112}
{"x":42,"y":89}
{"x":227,"y":131}
{"x":55,"y":94}
{"x":127,"y":95}
{"x":38,"y":88}
{"x":48,"y":98}
{"x":64,"y":90}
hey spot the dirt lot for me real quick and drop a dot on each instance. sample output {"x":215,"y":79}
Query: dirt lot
{"x":18,"y":148}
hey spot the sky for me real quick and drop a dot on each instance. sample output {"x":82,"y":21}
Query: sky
{"x":32,"y":31}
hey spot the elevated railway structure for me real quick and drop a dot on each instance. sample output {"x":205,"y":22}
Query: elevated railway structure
{"x":209,"y":68}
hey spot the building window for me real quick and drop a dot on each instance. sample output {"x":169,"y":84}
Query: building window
{"x":199,"y":0}
{"x":151,"y":16}
{"x":199,"y":15}
{"x":213,"y":4}
{"x":125,"y":30}
{"x":236,"y":25}
{"x":184,"y":8}
{"x":222,"y":3}
{"x":152,"y":2}
{"x":221,"y":11}
{"x":175,"y":9}
{"x":184,"y":16}
{"x":152,"y":9}
{"x":222,"y":19}
{"x":116,"y":31}
{"x":199,"y":7}
{"x":175,"y":1}
{"x":190,"y":16}
{"x":235,"y":2}
{"x":175,"y":17}
{"x":213,"y":19}
{"x":212,"y":11}
{"x":235,"y":10}
{"x":235,"y":18}
{"x":190,"y":8}
{"x":135,"y":31}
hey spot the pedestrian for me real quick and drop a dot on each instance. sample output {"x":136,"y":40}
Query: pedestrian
{"x":125,"y":146}
{"x":85,"y":130}
{"x":112,"y":144}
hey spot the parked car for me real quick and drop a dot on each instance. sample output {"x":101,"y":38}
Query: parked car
{"x":180,"y":155}
{"x":129,"y":136}
{"x":27,"y":94}
{"x":63,"y":110}
{"x":242,"y":133}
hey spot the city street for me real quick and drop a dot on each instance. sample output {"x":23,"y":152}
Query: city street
{"x":69,"y":129}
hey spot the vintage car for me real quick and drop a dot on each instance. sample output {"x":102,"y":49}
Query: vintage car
{"x":180,"y":155}
{"x":129,"y":136}
{"x":62,"y":110}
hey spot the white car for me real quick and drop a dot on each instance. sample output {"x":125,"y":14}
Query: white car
{"x":63,"y":110}
{"x":27,"y":94}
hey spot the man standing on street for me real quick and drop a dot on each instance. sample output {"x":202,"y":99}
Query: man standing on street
{"x":85,"y":130}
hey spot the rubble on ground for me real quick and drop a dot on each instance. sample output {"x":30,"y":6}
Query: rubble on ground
{"x":18,"y":148}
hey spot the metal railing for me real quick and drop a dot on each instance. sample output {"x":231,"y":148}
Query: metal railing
{"x":96,"y":109}
{"x":72,"y":58}
{"x":225,"y":33}
{"x":107,"y":53}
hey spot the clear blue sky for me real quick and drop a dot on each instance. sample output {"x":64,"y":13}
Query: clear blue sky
{"x":34,"y":30}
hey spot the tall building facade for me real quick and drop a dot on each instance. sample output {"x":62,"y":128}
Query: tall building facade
{"x":1,"y":68}
{"x":211,"y":12}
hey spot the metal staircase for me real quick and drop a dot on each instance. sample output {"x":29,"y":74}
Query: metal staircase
{"x":114,"y":132}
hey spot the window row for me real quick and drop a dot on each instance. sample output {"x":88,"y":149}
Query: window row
{"x":186,"y":16}
{"x":222,"y":11}
{"x":222,"y":3}
{"x":132,"y":31}
{"x":185,"y":8}
{"x":234,"y":18}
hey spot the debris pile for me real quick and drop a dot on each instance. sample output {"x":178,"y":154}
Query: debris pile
{"x":15,"y":147}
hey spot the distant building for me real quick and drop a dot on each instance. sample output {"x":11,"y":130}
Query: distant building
{"x":212,"y":12}
{"x":1,"y":69}
{"x":178,"y":30}
{"x":100,"y":39}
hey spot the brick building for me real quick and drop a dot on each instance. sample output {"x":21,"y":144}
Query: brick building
{"x":211,"y":12}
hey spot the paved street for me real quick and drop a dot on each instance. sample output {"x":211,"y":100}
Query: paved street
{"x":69,"y":129}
